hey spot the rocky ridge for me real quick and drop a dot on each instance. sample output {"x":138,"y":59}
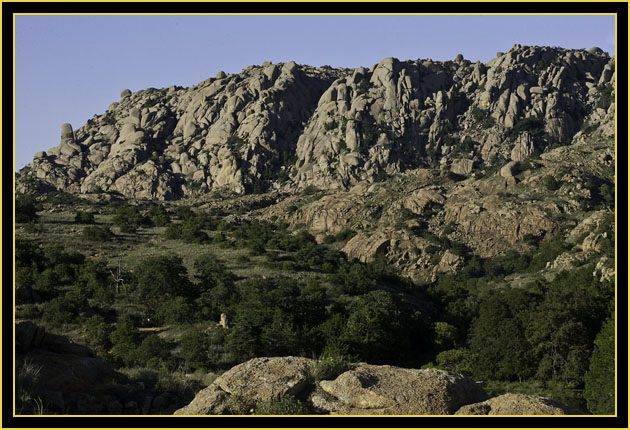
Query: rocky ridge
{"x":286,"y":126}
{"x":395,"y":152}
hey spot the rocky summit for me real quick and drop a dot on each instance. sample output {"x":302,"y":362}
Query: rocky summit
{"x":286,"y":127}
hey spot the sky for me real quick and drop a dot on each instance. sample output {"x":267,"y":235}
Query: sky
{"x":68,"y":68}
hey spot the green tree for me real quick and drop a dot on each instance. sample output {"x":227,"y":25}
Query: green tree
{"x":194,"y":349}
{"x":460,"y":360}
{"x":159,"y":216}
{"x":599,"y":381}
{"x":497,"y":337}
{"x":26,"y":208}
{"x":378,"y":328}
{"x":84,"y":217}
{"x":125,"y":339}
{"x":153,"y":352}
{"x":97,"y":334}
{"x":161,"y":275}
{"x":127,"y":218}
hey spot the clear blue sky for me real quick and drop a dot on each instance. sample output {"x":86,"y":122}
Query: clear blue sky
{"x":69,"y":68}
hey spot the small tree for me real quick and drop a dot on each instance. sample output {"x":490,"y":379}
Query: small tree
{"x":84,"y":217}
{"x":127,"y":218}
{"x":599,"y":381}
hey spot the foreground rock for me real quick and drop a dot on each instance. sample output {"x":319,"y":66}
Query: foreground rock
{"x":518,"y":404}
{"x":69,"y":378}
{"x":259,"y":379}
{"x":389,"y":390}
{"x":365,"y":389}
{"x":63,"y":377}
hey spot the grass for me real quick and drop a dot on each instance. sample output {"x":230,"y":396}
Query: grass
{"x":59,"y":227}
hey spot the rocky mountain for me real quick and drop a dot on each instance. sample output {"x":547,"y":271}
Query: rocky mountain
{"x":287,"y":127}
{"x":392,"y":151}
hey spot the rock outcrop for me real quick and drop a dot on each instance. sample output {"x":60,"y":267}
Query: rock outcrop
{"x":67,"y":378}
{"x":259,"y":379}
{"x":389,"y":390}
{"x":287,"y":126}
{"x":365,"y":389}
{"x":518,"y":404}
{"x":72,"y":379}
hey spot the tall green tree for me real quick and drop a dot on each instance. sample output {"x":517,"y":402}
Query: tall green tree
{"x":599,"y":381}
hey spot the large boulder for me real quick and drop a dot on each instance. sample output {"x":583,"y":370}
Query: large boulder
{"x":259,"y":379}
{"x":388,"y":390}
{"x":70,"y":379}
{"x":518,"y":404}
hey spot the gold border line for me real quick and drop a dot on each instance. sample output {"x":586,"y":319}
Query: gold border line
{"x":312,"y":14}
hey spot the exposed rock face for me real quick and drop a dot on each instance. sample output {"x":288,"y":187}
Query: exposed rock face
{"x":388,"y":390}
{"x":518,"y":404}
{"x":72,"y":379}
{"x":345,"y":126}
{"x":364,"y":390}
{"x":259,"y":379}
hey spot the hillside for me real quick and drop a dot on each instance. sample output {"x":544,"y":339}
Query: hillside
{"x":417,"y":213}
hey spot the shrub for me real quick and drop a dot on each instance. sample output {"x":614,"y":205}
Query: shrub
{"x":159,"y":216}
{"x":282,"y":405}
{"x":328,"y":367}
{"x":533,"y":126}
{"x":604,"y":96}
{"x":127,"y":218}
{"x":599,"y":381}
{"x":482,"y":117}
{"x":97,"y":233}
{"x":153,"y":352}
{"x":328,"y":239}
{"x":173,"y":232}
{"x":194,"y":349}
{"x":345,"y":235}
{"x":59,"y":311}
{"x":26,"y":208}
{"x":97,"y":334}
{"x":364,"y":86}
{"x":310,"y":190}
{"x":550,"y":183}
{"x":84,"y":217}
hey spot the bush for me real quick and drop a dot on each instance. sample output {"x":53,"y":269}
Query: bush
{"x":533,"y":126}
{"x":599,"y":381}
{"x":282,"y":405}
{"x":345,"y":235}
{"x":328,"y":367}
{"x":84,"y":218}
{"x":153,"y":352}
{"x":97,"y":233}
{"x":59,"y":311}
{"x":604,"y":96}
{"x":97,"y":334}
{"x":482,"y":117}
{"x":194,"y":349}
{"x":173,"y":232}
{"x":159,"y":216}
{"x":127,"y":218}
{"x":550,"y":183}
{"x":26,"y":208}
{"x":328,"y":239}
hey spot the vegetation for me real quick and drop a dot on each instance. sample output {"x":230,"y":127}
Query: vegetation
{"x":482,"y":117}
{"x":285,"y":294}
